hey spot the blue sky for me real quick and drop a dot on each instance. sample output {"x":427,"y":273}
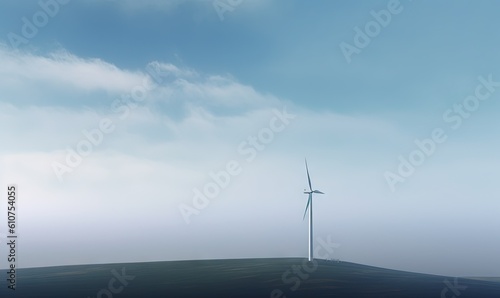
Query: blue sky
{"x":207,"y":86}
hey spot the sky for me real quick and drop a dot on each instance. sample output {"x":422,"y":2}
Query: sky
{"x":177,"y":130}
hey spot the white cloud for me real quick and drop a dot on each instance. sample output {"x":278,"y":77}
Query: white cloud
{"x":62,"y":69}
{"x":152,"y":162}
{"x":169,"y":69}
{"x":73,"y":81}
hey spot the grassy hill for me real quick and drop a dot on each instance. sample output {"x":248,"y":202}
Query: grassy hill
{"x":494,"y":279}
{"x":287,"y":277}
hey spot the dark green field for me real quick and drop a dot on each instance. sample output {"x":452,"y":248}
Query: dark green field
{"x":237,"y":278}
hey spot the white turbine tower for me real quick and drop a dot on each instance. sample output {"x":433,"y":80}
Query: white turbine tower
{"x":309,"y":205}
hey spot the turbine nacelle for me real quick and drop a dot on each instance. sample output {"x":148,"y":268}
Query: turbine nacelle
{"x":314,"y":191}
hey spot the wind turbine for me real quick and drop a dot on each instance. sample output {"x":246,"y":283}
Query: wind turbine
{"x":310,"y":207}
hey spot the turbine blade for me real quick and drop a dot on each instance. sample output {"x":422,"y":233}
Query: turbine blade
{"x":317,"y":191}
{"x":307,"y":206}
{"x":308,"y":178}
